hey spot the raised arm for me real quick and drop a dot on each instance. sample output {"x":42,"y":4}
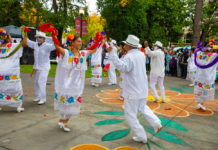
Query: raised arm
{"x":24,"y":42}
{"x":60,"y":49}
{"x":148,"y":50}
{"x":124,"y":65}
{"x":94,"y":50}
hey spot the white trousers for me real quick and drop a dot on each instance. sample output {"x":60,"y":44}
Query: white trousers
{"x":154,"y":79}
{"x":41,"y":77}
{"x":112,"y":74}
{"x":132,"y":107}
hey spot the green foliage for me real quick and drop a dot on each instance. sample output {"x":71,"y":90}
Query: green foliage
{"x":10,"y":10}
{"x":148,"y":19}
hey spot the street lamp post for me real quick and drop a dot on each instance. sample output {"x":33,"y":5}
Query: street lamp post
{"x":81,"y":12}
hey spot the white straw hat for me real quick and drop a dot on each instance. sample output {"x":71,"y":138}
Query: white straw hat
{"x":132,"y":40}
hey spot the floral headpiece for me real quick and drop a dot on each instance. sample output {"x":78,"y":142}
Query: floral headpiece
{"x":203,"y":48}
{"x":70,"y":39}
{"x":3,"y":35}
{"x":211,"y":43}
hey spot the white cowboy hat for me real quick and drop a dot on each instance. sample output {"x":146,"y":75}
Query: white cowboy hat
{"x":132,"y":40}
{"x":114,"y":41}
{"x":159,"y":44}
{"x":40,"y":34}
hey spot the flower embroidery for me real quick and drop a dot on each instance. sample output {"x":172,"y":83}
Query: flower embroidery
{"x":67,"y":100}
{"x":1,"y":78}
{"x":207,"y":86}
{"x":8,"y":97}
{"x":9,"y":45}
{"x":14,"y":77}
{"x":199,"y":84}
{"x":1,"y":96}
{"x":21,"y":97}
{"x":56,"y":96}
{"x":62,"y":99}
{"x":7,"y":50}
{"x":3,"y":51}
{"x":7,"y":77}
{"x":83,"y":54}
{"x":70,"y":60}
{"x":70,"y":100}
{"x":81,"y":60}
{"x":80,"y":100}
{"x":14,"y":98}
{"x":76,"y":60}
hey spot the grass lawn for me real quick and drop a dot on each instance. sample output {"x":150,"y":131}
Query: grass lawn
{"x":28,"y":69}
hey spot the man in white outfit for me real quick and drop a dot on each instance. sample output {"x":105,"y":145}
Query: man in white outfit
{"x":135,"y":88}
{"x":157,"y":69}
{"x":41,"y":65}
{"x":112,"y":69}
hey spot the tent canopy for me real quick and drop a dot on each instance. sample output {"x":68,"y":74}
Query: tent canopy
{"x":14,"y":31}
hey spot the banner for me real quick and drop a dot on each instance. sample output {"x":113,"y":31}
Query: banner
{"x":77,"y":25}
{"x":84,"y":27}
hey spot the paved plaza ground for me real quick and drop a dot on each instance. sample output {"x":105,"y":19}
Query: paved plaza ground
{"x":102,"y":122}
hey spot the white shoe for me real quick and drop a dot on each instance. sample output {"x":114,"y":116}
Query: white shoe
{"x":138,"y":139}
{"x":62,"y":126}
{"x":0,"y":109}
{"x":20,"y":109}
{"x":109,"y":83}
{"x":156,"y":100}
{"x":121,"y":98}
{"x":200,"y":106}
{"x":41,"y":102}
{"x":93,"y":84}
{"x":96,"y":85}
{"x":36,"y":100}
{"x":157,"y":129}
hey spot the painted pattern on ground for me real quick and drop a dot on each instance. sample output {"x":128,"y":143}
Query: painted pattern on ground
{"x":177,"y":104}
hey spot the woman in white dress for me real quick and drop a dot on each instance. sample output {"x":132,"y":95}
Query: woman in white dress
{"x":11,"y":92}
{"x":70,"y":79}
{"x":191,"y":69}
{"x":204,"y":90}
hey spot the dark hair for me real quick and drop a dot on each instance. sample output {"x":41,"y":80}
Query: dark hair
{"x":75,"y":38}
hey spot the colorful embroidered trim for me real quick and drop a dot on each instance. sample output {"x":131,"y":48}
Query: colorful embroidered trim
{"x":97,"y":76}
{"x":4,"y":50}
{"x":192,"y":72}
{"x":12,"y":98}
{"x":9,"y":77}
{"x":67,"y":99}
{"x":204,"y":57}
{"x":76,"y":59}
{"x":204,"y":86}
{"x":96,"y":66}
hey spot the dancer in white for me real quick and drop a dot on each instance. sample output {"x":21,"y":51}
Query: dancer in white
{"x":191,"y":69}
{"x":70,"y":79}
{"x":112,"y":69}
{"x":204,"y":89}
{"x":41,"y":65}
{"x":96,"y":67}
{"x":157,"y":69}
{"x":135,"y":88}
{"x":11,"y":91}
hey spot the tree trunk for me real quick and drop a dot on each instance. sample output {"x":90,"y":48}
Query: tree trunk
{"x":37,"y":15}
{"x":55,"y":6}
{"x":203,"y":36}
{"x":197,"y":22}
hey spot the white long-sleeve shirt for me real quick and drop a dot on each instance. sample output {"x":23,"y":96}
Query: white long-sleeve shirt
{"x":41,"y":54}
{"x":135,"y":83}
{"x":157,"y":61}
